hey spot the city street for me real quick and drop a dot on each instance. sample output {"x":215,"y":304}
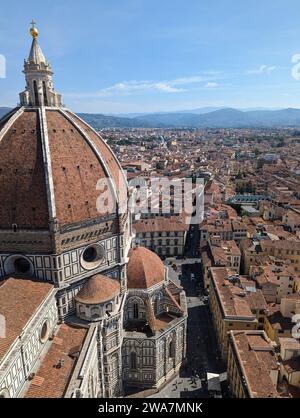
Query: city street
{"x":202,"y":356}
{"x":192,"y":241}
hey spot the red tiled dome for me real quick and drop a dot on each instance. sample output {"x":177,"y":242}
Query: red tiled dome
{"x":49,"y":169}
{"x":98,"y":289}
{"x":145,"y":269}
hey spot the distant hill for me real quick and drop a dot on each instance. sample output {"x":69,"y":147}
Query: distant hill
{"x":3,"y":111}
{"x":99,"y":121}
{"x":228,"y":118}
{"x":220,"y":118}
{"x":198,"y":111}
{"x":170,"y":119}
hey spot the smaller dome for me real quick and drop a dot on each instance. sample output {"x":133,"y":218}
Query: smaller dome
{"x":145,"y":269}
{"x":98,"y":289}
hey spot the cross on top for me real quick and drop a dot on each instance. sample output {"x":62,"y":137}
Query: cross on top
{"x":33,"y":22}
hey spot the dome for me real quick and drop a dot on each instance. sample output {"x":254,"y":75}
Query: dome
{"x":145,"y":269}
{"x":50,"y":166}
{"x":98,"y":289}
{"x":51,"y":161}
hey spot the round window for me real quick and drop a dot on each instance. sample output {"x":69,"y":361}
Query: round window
{"x":92,"y":256}
{"x":89,"y":254}
{"x":44,"y":332}
{"x":21,"y":265}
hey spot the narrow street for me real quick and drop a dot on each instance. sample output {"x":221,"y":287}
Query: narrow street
{"x":202,"y":356}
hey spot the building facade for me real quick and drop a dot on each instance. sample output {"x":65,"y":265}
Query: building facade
{"x":166,"y":235}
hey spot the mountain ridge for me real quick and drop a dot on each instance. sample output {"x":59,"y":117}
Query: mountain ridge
{"x":219,"y":118}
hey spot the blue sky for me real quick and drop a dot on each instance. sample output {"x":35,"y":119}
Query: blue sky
{"x":119,"y":56}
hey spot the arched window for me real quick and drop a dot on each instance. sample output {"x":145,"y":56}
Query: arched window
{"x":157,"y":303}
{"x":109,"y":307}
{"x":133,"y":360}
{"x":135,"y":310}
{"x":36,"y":94}
{"x":45,"y":94}
{"x":114,"y":366}
{"x":44,"y":333}
{"x":171,"y":349}
{"x":95,"y":312}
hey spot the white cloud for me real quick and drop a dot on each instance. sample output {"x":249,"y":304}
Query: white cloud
{"x":263,"y":69}
{"x":176,"y":85}
{"x":211,"y":84}
{"x":211,"y":75}
{"x":133,"y":86}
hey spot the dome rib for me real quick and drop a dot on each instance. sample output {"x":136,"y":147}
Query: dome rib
{"x":8,"y":120}
{"x":47,"y":164}
{"x":65,"y":164}
{"x":76,"y":171}
{"x":68,"y":115}
{"x":114,"y":167}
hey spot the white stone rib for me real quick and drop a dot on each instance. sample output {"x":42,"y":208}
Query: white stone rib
{"x":94,"y":148}
{"x":10,"y":122}
{"x":47,"y":163}
{"x":105,"y":144}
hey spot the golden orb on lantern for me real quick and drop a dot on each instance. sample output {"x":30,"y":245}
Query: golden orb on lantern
{"x":33,"y":30}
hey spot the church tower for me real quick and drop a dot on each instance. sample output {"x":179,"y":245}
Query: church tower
{"x":39,"y":89}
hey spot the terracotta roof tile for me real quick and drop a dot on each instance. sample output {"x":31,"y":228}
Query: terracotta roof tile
{"x":76,"y":171}
{"x":23,"y":193}
{"x":98,"y":289}
{"x":145,"y":269}
{"x":19,"y":300}
{"x":174,"y":223}
{"x":257,"y":359}
{"x":235,"y":300}
{"x":105,"y":151}
{"x":56,"y":378}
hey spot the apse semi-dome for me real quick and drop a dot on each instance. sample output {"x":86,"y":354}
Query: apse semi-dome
{"x":145,"y":269}
{"x":51,"y":161}
{"x":98,"y":289}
